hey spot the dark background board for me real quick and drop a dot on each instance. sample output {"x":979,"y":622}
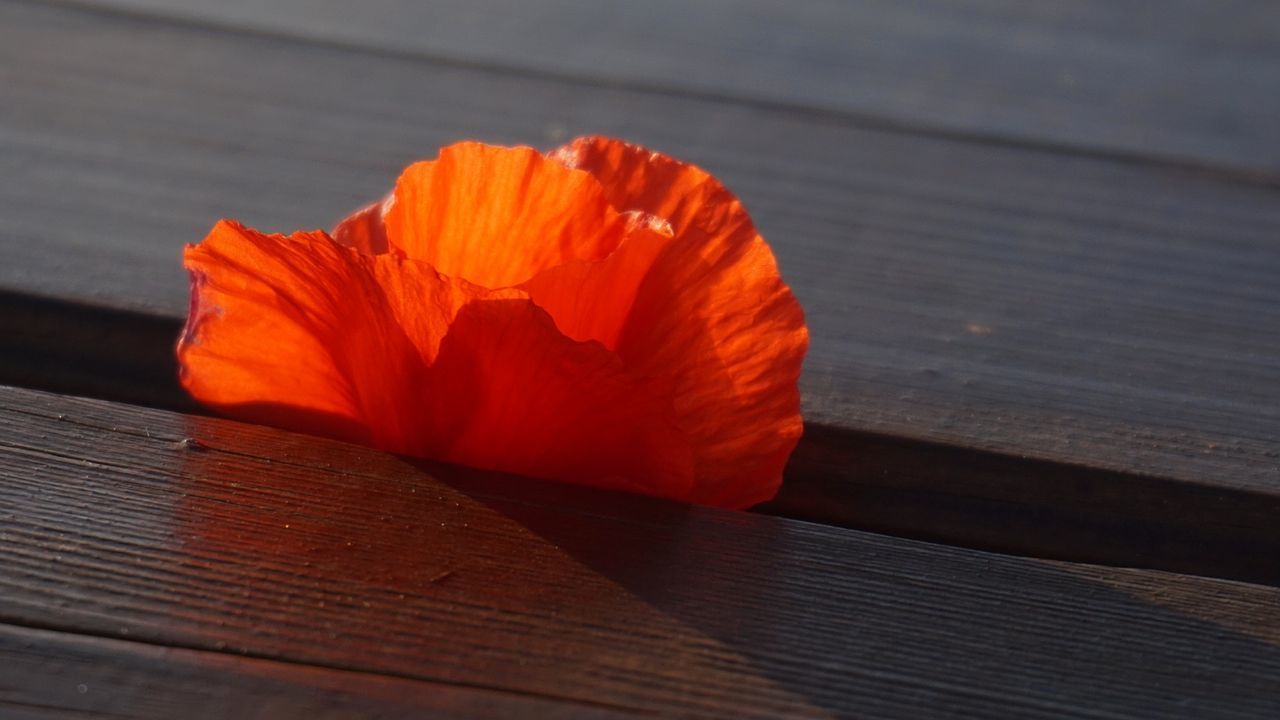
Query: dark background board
{"x":158,"y":528}
{"x":1179,"y":79}
{"x":1097,"y":317}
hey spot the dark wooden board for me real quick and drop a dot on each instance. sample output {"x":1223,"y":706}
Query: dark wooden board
{"x":176,"y":530}
{"x":49,"y":674}
{"x":1181,"y":79}
{"x":1090,"y":316}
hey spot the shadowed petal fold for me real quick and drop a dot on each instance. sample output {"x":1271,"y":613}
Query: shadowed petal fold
{"x":365,"y":229}
{"x":592,"y":300}
{"x":530,"y":400}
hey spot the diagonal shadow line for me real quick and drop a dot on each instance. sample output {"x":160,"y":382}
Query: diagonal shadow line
{"x":797,"y":602}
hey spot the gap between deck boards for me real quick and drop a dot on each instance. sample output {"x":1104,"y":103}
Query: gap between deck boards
{"x":894,"y":485}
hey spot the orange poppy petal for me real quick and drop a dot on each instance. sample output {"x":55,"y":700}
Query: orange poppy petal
{"x":364,"y":229}
{"x":712,"y":313}
{"x":511,"y":393}
{"x":283,"y":327}
{"x":635,"y":178}
{"x":716,"y":317}
{"x":303,"y":333}
{"x":592,"y":300}
{"x":497,"y":216}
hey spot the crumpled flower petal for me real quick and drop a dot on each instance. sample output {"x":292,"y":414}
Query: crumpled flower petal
{"x":497,"y":216}
{"x":516,"y":395}
{"x":602,"y":314}
{"x":304,"y":333}
{"x":592,"y":300}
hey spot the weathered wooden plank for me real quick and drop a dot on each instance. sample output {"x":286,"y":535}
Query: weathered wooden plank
{"x":49,"y":674}
{"x":1180,"y":79}
{"x":211,"y":535}
{"x":1074,"y":310}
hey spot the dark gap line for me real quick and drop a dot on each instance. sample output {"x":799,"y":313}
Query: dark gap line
{"x":1016,"y":505}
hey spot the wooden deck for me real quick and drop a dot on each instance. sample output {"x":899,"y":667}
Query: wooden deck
{"x":1038,"y":246}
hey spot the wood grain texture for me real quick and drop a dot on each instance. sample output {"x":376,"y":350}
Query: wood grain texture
{"x":176,"y":530}
{"x":1181,"y":79}
{"x":1099,"y":315}
{"x":49,"y":674}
